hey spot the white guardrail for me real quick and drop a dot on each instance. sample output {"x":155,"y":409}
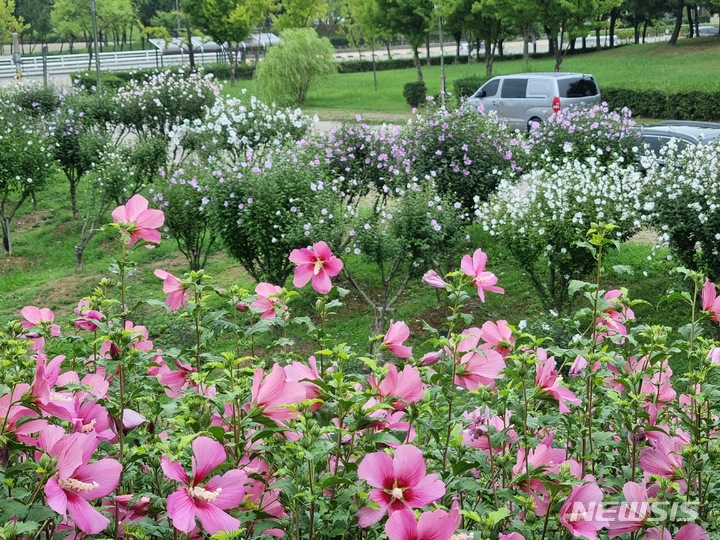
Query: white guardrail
{"x":63,"y":64}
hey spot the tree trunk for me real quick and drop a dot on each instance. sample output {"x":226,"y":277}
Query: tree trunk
{"x":191,"y":49}
{"x":678,"y":22}
{"x":387,"y":46}
{"x":691,"y":25}
{"x":428,"y":62}
{"x":232,"y":58}
{"x":557,"y":53}
{"x":636,"y":32}
{"x":418,"y":67}
{"x":614,"y":14}
{"x":7,"y":244}
{"x":489,"y":58}
{"x":526,"y":44}
{"x":372,"y":52}
{"x":597,"y":40}
{"x":73,"y":179}
{"x":644,"y":35}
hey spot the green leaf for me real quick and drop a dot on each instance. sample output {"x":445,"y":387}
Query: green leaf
{"x":498,"y":515}
{"x":623,"y":269}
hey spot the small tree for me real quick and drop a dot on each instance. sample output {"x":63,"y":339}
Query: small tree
{"x":184,"y":198}
{"x":76,"y":144}
{"x":25,"y":165}
{"x":294,"y":65}
{"x":261,"y":215}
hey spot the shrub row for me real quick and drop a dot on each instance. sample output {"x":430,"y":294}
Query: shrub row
{"x":651,"y":103}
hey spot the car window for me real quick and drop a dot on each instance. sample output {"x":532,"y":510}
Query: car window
{"x":656,"y":142}
{"x":513,"y":88}
{"x":489,"y":87}
{"x":577,"y":88}
{"x":538,"y":88}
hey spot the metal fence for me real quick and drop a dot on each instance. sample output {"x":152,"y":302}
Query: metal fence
{"x":63,"y":64}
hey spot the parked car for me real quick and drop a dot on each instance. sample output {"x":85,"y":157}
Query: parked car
{"x":684,"y":132}
{"x":704,"y":31}
{"x":525,"y":98}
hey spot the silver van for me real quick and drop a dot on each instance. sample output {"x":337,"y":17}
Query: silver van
{"x":524,"y":98}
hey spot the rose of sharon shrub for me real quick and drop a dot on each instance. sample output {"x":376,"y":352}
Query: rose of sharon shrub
{"x":234,"y":125}
{"x":542,"y":217}
{"x":185,"y":199}
{"x":261,"y":215}
{"x":582,"y":132}
{"x":356,"y":158}
{"x":465,"y":152}
{"x":683,"y":204}
{"x":151,"y":105}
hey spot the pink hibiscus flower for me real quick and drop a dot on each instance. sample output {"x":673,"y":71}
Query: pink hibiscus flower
{"x":317,"y":264}
{"x":394,"y":338}
{"x":631,"y":515}
{"x":664,"y":458}
{"x":173,"y":287}
{"x":582,"y":512}
{"x":87,"y":317}
{"x":137,"y":222}
{"x":480,"y":365}
{"x":686,"y":532}
{"x":269,"y":301}
{"x":273,"y":394}
{"x":405,"y":385}
{"x":547,"y":380}
{"x":78,"y":481}
{"x":206,"y":501}
{"x":436,"y":525}
{"x":399,"y":482}
{"x":433,"y":279}
{"x":475,"y":268}
{"x":710,"y":300}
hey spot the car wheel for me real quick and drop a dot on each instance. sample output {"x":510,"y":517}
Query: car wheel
{"x":533,"y":120}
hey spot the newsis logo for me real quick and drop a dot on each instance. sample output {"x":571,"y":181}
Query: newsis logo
{"x":646,"y":512}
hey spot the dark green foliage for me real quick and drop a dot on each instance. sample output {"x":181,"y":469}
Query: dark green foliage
{"x":466,"y":153}
{"x":88,"y":80}
{"x":262,"y":216}
{"x":467,"y":86}
{"x":184,"y":198}
{"x":35,"y":99}
{"x":651,"y":103}
{"x":415,"y":93}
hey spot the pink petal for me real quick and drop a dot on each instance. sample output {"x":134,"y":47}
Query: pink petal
{"x":321,"y":282}
{"x":302,"y":256}
{"x":428,"y":490}
{"x":303,"y":274}
{"x":209,"y":454}
{"x":377,"y":470}
{"x":135,"y":206}
{"x":150,"y":219}
{"x":174,"y":471}
{"x":86,"y":518}
{"x":105,"y":473}
{"x":213,"y":519}
{"x":181,"y":510}
{"x":55,"y":496}
{"x":479,"y":260}
{"x":132,"y":419}
{"x":437,"y":525}
{"x":408,"y":466}
{"x":401,"y":525}
{"x":232,"y":484}
{"x":369,"y":516}
{"x":692,"y":531}
{"x":333,"y":266}
{"x":466,"y":266}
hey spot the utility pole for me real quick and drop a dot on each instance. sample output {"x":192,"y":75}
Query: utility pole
{"x":93,"y":15}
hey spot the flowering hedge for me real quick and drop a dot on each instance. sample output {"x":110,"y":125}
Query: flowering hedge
{"x":103,"y":434}
{"x":682,"y":204}
{"x":544,"y":215}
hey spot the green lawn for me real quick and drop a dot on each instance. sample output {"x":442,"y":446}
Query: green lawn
{"x":691,"y":64}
